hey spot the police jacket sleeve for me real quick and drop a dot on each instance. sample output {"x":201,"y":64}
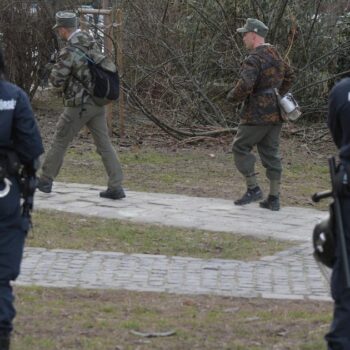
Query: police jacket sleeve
{"x":338,"y":118}
{"x":27,"y":141}
{"x":333,"y":117}
{"x":247,"y":79}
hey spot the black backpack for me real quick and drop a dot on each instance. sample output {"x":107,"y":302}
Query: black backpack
{"x":105,"y":82}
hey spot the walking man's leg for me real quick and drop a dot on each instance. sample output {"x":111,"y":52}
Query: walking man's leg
{"x":268,"y":149}
{"x":69,"y":124}
{"x":98,"y":127}
{"x":246,"y":138}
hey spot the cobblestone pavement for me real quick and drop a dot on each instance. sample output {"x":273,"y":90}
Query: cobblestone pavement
{"x":291,"y":274}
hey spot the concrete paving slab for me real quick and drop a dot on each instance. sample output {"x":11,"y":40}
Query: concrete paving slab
{"x":291,"y":274}
{"x":210,"y":214}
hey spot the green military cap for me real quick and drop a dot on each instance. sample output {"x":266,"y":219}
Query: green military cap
{"x":254,"y":25}
{"x":66,"y":19}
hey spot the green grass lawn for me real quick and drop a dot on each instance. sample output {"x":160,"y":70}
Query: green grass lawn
{"x":197,"y":172}
{"x":62,"y":230}
{"x":76,"y":319}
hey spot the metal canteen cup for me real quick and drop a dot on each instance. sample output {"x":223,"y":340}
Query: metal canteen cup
{"x":288,"y":103}
{"x":290,"y":107}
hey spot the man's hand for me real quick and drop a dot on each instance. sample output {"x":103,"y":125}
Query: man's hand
{"x":48,"y":67}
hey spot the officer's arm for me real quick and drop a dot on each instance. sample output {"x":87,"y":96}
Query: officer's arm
{"x":246,"y":82}
{"x":26,"y":136}
{"x":333,"y":117}
{"x":61,"y":70}
{"x":339,"y":124}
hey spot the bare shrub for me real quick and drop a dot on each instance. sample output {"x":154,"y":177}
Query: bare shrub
{"x":28,"y":39}
{"x":183,"y":56}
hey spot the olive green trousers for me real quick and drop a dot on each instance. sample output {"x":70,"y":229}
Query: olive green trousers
{"x":266,"y":138}
{"x":69,"y":124}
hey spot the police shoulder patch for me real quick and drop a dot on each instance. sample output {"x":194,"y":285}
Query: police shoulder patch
{"x":7,"y":105}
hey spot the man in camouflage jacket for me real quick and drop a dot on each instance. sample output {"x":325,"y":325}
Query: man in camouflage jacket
{"x":260,"y":122}
{"x":70,"y":75}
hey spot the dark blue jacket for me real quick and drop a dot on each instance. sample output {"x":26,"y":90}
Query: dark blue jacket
{"x":18,"y":128}
{"x":339,"y":118}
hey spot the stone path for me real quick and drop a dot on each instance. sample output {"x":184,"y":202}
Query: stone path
{"x":291,"y":274}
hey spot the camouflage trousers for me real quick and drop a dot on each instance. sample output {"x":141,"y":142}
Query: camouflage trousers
{"x":69,"y":124}
{"x":266,"y":139}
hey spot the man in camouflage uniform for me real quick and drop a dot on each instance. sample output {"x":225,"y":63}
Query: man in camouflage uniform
{"x":260,"y":123}
{"x":71,"y":76}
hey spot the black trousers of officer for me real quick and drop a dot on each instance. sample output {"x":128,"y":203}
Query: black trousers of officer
{"x":12,"y":237}
{"x":339,"y":336}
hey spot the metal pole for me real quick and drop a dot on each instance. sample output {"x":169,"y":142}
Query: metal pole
{"x":84,"y":27}
{"x":120,"y":64}
{"x":108,"y":45}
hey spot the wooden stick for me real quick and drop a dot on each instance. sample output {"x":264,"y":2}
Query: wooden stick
{"x":95,"y":11}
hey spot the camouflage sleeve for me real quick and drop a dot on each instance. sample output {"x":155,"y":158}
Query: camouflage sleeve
{"x":61,"y":70}
{"x":289,"y":77}
{"x":247,"y":78}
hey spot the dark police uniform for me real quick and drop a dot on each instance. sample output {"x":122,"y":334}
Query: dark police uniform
{"x":18,"y":133}
{"x":339,"y":124}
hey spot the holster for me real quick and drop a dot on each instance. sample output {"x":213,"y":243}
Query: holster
{"x":9,"y":164}
{"x":342,"y":180}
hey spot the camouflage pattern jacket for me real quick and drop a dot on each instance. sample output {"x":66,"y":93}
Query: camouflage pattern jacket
{"x":261,"y":72}
{"x":70,"y":74}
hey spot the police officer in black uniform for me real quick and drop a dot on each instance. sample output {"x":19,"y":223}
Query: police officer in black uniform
{"x":20,"y":147}
{"x":338,"y":337}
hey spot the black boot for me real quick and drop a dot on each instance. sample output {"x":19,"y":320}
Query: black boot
{"x":271,"y":202}
{"x":117,"y":193}
{"x":252,"y":195}
{"x":4,"y":342}
{"x":44,"y":184}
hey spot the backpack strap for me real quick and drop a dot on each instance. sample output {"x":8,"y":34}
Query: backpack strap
{"x":84,"y":53}
{"x":89,"y":61}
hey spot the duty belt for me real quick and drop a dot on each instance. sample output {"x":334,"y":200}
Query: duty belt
{"x":265,"y":91}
